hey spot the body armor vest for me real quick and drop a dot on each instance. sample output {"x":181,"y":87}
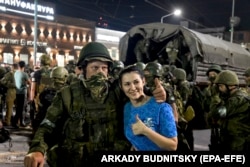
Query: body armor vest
{"x":90,"y":123}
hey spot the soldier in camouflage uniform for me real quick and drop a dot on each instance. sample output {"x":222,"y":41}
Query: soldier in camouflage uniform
{"x":247,"y":80}
{"x":3,"y":90}
{"x":141,"y":50}
{"x":78,"y":74}
{"x":71,"y":66}
{"x":58,"y":76}
{"x":9,"y":81}
{"x":86,"y":114}
{"x":211,"y":90}
{"x":232,"y":114}
{"x":182,"y":93}
{"x":210,"y":101}
{"x":154,"y":70}
{"x":167,"y":75}
{"x":40,"y":79}
{"x":117,"y":67}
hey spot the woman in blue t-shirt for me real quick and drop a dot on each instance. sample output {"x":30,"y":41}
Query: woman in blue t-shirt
{"x":148,"y":125}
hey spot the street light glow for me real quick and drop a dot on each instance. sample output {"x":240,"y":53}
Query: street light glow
{"x":177,"y":12}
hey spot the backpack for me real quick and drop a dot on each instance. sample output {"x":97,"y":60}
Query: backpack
{"x":45,"y":80}
{"x":45,"y":97}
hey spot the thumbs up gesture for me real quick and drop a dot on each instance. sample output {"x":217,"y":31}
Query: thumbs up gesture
{"x":159,"y":93}
{"x":138,"y":127}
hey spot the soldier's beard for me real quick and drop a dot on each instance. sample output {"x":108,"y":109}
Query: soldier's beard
{"x":98,"y":86}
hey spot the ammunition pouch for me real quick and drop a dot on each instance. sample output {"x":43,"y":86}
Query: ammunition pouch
{"x":189,"y":114}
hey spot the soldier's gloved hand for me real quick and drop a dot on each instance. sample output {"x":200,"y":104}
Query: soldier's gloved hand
{"x":159,"y":93}
{"x":35,"y":159}
{"x":138,"y":127}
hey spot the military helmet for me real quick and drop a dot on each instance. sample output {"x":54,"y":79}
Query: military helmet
{"x":247,"y":73}
{"x":179,"y":74}
{"x":118,"y":64}
{"x":215,"y":68}
{"x":154,"y":68}
{"x":140,"y":65}
{"x":172,"y":68}
{"x":227,"y":77}
{"x":165,"y":68}
{"x":2,"y":71}
{"x":45,"y":60}
{"x":59,"y":73}
{"x":94,"y":51}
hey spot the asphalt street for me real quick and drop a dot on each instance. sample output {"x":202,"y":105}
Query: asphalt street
{"x":12,"y":153}
{"x":13,"y":156}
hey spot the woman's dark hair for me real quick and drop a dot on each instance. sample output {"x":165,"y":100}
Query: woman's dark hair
{"x":129,"y":69}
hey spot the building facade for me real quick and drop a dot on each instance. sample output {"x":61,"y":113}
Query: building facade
{"x":62,"y":38}
{"x":111,"y":39}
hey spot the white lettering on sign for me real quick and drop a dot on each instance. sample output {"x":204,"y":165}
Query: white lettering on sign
{"x":22,"y":42}
{"x":9,"y":41}
{"x":28,"y":6}
{"x":76,"y":47}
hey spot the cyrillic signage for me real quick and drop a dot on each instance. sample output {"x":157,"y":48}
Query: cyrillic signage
{"x":77,"y":47}
{"x":28,"y":6}
{"x":22,"y":42}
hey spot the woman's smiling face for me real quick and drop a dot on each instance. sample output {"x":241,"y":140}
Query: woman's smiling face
{"x":132,"y":84}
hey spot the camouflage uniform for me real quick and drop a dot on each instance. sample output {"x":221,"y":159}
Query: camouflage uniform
{"x":71,"y":66}
{"x":211,"y":91}
{"x":117,"y":67}
{"x":71,"y":78}
{"x":182,"y":93}
{"x":233,"y":114}
{"x":9,"y":81}
{"x":141,"y":50}
{"x":210,"y":101}
{"x":154,"y":70}
{"x":3,"y":90}
{"x":58,"y":76}
{"x":247,"y":80}
{"x":41,"y":79}
{"x":85,"y":124}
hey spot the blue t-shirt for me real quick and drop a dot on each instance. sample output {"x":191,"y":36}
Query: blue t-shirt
{"x":157,"y":116}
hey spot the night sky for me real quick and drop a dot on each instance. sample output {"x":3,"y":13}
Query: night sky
{"x":124,"y":14}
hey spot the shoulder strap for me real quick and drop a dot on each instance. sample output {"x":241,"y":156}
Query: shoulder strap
{"x":66,"y":96}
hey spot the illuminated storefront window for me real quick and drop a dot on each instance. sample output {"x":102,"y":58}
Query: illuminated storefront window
{"x":8,"y":58}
